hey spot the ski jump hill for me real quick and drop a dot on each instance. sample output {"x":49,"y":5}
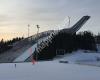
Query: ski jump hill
{"x":23,"y":50}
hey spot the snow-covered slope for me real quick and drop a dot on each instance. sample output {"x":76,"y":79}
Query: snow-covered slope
{"x":81,"y":57}
{"x":29,"y":51}
{"x":98,"y":47}
{"x":48,"y":70}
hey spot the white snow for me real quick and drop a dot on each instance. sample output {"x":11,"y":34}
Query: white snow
{"x":98,"y":47}
{"x":80,"y":57}
{"x":54,"y":70}
{"x":26,"y":54}
{"x":48,"y":70}
{"x":29,"y":51}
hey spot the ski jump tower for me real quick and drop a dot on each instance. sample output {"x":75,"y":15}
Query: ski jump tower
{"x":26,"y":56}
{"x":77,"y":26}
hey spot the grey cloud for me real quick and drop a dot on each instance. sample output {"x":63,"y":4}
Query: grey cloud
{"x":49,"y":11}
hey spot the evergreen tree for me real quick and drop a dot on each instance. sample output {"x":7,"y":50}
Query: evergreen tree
{"x":68,"y":42}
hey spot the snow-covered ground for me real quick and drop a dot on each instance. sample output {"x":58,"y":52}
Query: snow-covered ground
{"x":81,"y":57}
{"x":48,"y":70}
{"x":54,"y":70}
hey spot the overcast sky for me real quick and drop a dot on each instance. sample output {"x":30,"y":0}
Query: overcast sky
{"x":15,"y":15}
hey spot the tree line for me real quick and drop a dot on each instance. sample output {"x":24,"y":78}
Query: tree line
{"x":6,"y":45}
{"x":67,"y":43}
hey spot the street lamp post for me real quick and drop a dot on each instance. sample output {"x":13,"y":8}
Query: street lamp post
{"x":38,"y":29}
{"x":37,"y":40}
{"x":68,"y":22}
